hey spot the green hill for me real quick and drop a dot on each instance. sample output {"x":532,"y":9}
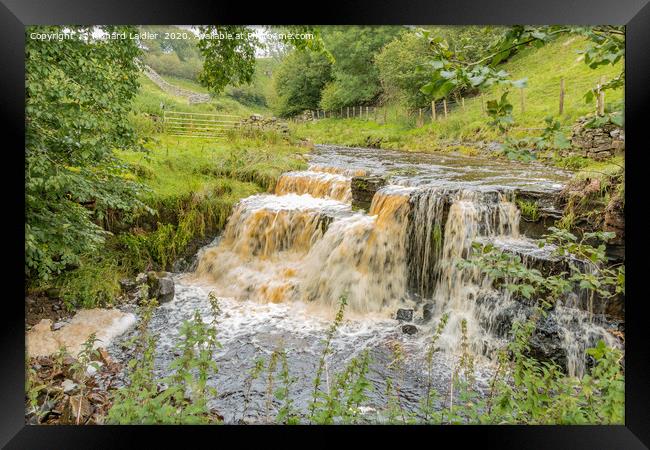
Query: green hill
{"x":544,"y":67}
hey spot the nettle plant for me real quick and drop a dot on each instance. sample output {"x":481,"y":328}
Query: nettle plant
{"x":181,"y":398}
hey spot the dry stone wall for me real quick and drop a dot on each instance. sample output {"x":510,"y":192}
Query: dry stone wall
{"x":191,"y":96}
{"x":597,"y":143}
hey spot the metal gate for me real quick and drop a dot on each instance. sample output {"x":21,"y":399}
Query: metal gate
{"x":177,"y":123}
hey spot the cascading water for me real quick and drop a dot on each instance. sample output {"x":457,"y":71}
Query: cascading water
{"x":305,"y":243}
{"x":316,"y":184}
{"x":363,"y":256}
{"x":304,"y":247}
{"x":470,"y":214}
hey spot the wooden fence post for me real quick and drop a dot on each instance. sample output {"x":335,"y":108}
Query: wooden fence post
{"x":601,"y":97}
{"x":444,"y":103}
{"x":348,"y":111}
{"x":462,"y":100}
{"x":420,"y":118}
{"x":433,"y":111}
{"x":367,"y":109}
{"x":561,"y":95}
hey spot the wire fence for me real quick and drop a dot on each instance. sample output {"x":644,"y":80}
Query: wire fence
{"x":450,"y":107}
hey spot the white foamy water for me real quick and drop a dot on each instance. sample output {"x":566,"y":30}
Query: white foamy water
{"x":249,"y":329}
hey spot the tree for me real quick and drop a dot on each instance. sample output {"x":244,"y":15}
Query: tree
{"x":78,"y":94}
{"x":229,"y":56}
{"x":355,"y":77}
{"x":299,"y":80}
{"x":400,"y":69}
{"x":178,"y":57}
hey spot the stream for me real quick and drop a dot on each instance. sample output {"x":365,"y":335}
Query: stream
{"x":284,"y":260}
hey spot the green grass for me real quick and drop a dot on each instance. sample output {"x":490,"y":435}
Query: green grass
{"x":150,"y":97}
{"x":543,"y":67}
{"x":185,"y":84}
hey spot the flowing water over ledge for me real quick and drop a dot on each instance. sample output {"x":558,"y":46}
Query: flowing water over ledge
{"x":284,"y":260}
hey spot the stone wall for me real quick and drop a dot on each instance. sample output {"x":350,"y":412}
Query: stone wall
{"x":257,"y":121}
{"x":597,"y":143}
{"x":191,"y":96}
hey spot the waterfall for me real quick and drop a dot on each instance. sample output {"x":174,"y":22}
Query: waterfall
{"x":304,"y":243}
{"x":363,"y":256}
{"x":317,"y":184}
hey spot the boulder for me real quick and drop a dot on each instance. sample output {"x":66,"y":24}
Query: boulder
{"x":427,"y":312}
{"x":404,"y":315}
{"x":161,"y":286}
{"x":128,"y":285}
{"x":409,"y":329}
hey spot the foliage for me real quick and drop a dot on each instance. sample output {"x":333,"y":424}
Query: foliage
{"x":170,"y":55}
{"x":452,"y":72}
{"x":315,"y":403}
{"x":258,"y":92}
{"x":529,"y":210}
{"x":500,"y":113}
{"x":525,"y":391}
{"x":509,"y":272}
{"x":78,"y":94}
{"x":346,"y":394}
{"x":287,"y":413}
{"x":543,"y":67}
{"x":226,"y":61}
{"x":298,"y":82}
{"x":184,"y":398}
{"x":94,"y":283}
{"x":355,"y":79}
{"x":398,"y":64}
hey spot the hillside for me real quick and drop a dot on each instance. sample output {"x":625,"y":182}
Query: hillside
{"x":544,"y":68}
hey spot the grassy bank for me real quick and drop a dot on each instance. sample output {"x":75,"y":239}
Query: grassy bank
{"x":544,"y":69}
{"x":191,"y":185}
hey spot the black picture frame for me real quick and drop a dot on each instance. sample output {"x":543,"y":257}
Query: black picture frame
{"x":16,"y":14}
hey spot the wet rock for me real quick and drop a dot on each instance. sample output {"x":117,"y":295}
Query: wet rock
{"x":409,"y":329}
{"x":161,"y":286}
{"x":615,"y":219}
{"x":363,"y":189}
{"x":128,"y":285}
{"x":141,"y":278}
{"x":549,"y":210}
{"x":546,"y":342}
{"x":404,"y":315}
{"x":427,"y":312}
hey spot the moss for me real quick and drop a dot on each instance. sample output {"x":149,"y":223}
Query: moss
{"x":529,"y":210}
